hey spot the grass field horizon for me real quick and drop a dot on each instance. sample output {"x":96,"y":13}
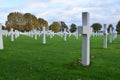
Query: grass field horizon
{"x":29,"y":59}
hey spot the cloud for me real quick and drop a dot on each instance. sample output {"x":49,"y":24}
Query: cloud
{"x":69,"y":11}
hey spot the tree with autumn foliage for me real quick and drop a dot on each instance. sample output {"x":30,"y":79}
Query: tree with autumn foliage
{"x":24,"y":22}
{"x":43,"y":23}
{"x":55,"y":26}
{"x":13,"y":20}
{"x":31,"y":22}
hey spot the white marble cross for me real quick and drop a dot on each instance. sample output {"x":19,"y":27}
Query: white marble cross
{"x":35,"y":34}
{"x":16,"y":34}
{"x":114,"y":35}
{"x":65,"y":34}
{"x":85,"y":30}
{"x":105,"y":36}
{"x":70,"y":34}
{"x":76,"y":34}
{"x":51,"y":34}
{"x":44,"y":36}
{"x":111,"y":35}
{"x":12,"y":34}
{"x":1,"y":38}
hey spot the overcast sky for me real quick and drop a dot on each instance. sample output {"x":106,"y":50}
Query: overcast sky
{"x":69,"y":11}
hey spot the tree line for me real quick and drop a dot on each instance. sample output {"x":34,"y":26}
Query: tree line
{"x":28,"y":22}
{"x":24,"y":22}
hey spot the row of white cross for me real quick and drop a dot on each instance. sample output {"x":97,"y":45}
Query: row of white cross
{"x":85,"y":32}
{"x":35,"y":34}
{"x":113,"y":36}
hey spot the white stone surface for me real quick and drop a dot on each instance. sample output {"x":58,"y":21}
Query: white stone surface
{"x":76,"y":34}
{"x":86,"y":31}
{"x":1,"y":38}
{"x":35,"y":34}
{"x":12,"y":34}
{"x":51,"y":34}
{"x":111,"y":35}
{"x":105,"y":36}
{"x":85,"y":50}
{"x":44,"y":36}
{"x":65,"y":34}
{"x":16,"y":34}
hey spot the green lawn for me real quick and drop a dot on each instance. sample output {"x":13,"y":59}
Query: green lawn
{"x":29,"y":59}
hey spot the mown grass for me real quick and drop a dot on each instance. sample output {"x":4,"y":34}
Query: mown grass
{"x":29,"y":59}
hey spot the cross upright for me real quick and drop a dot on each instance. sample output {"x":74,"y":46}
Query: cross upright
{"x":85,"y":30}
{"x":105,"y":36}
{"x":44,"y":36}
{"x":65,"y":34}
{"x":111,"y":35}
{"x":1,"y":38}
{"x":12,"y":34}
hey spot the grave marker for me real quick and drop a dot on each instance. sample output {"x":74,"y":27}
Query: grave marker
{"x":35,"y":34}
{"x":65,"y":34}
{"x":76,"y":33}
{"x":105,"y":36}
{"x":111,"y":35}
{"x":44,"y":36}
{"x":85,"y":30}
{"x":12,"y":34}
{"x":1,"y":37}
{"x":16,"y":34}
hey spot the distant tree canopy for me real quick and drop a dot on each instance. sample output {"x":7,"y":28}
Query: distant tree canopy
{"x":96,"y":27}
{"x":42,"y":23}
{"x":30,"y":22}
{"x":118,"y":27}
{"x":55,"y":26}
{"x":73,"y":27}
{"x":23,"y":22}
{"x":63,"y":25}
{"x":110,"y":26}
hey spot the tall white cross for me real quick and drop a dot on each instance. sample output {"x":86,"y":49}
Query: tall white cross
{"x":44,"y":36}
{"x":1,"y":38}
{"x":12,"y":34}
{"x":111,"y":35}
{"x":16,"y":34}
{"x":85,"y":30}
{"x":76,"y":33}
{"x":35,"y":34}
{"x":105,"y":36}
{"x":65,"y":34}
